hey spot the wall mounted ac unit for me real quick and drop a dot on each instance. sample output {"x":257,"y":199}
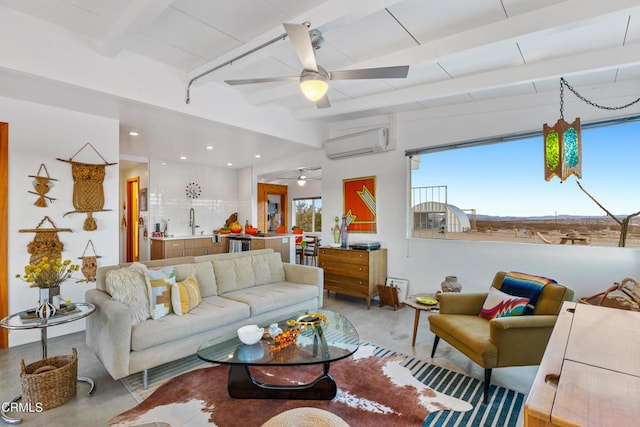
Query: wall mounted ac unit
{"x":357,"y":144}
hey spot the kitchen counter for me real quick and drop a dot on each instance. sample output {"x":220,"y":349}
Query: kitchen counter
{"x":197,"y":236}
{"x":206,"y":244}
{"x":236,"y":236}
{"x":259,"y":236}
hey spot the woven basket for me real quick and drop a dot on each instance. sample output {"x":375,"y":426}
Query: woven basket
{"x":626,"y":298}
{"x":51,"y":381}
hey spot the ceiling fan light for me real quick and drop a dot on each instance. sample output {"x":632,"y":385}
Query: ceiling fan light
{"x":314,"y":85}
{"x":314,"y":90}
{"x":302,"y":182}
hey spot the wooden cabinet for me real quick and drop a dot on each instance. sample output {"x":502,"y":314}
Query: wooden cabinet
{"x":161,"y":249}
{"x":590,"y":372}
{"x":353,"y":272}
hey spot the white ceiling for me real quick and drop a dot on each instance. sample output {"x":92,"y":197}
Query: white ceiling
{"x":458,"y":51}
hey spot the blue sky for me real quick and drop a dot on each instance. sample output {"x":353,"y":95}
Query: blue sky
{"x":507,"y":179}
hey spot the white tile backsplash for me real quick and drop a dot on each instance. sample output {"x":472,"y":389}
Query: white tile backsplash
{"x":168,"y":202}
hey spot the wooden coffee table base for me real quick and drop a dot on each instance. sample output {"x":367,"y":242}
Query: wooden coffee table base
{"x":242,"y":385}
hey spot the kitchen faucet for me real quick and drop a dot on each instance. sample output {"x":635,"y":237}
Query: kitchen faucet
{"x":192,"y":221}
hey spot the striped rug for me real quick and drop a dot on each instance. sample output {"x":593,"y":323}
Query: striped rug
{"x":503,"y":409}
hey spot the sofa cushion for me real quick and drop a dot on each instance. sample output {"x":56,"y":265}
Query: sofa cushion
{"x":265,"y":298}
{"x":185,"y":295}
{"x":212,"y":312}
{"x":203,"y":271}
{"x":244,"y":272}
{"x":234,"y":274}
{"x":500,"y":304}
{"x":128,"y":285}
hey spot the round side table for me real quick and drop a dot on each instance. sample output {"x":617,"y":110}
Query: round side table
{"x":24,"y":320}
{"x":412,"y":302}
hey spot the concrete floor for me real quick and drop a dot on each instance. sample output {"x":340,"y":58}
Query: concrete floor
{"x":380,"y":325}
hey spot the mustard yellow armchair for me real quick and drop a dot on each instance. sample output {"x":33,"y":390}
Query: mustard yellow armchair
{"x":500,"y":342}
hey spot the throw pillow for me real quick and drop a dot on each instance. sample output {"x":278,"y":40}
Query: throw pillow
{"x":128,"y":285}
{"x":159,"y":282}
{"x":526,"y":286}
{"x":185,"y":295}
{"x":499,"y":304}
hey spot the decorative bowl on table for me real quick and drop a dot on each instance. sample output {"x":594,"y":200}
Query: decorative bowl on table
{"x":427,"y":300}
{"x":250,"y":334}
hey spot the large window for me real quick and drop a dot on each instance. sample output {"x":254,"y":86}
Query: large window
{"x":497,"y":192}
{"x":308,"y":214}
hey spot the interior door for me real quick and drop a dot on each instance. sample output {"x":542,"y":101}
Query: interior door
{"x":133,"y":213}
{"x":272,"y":207}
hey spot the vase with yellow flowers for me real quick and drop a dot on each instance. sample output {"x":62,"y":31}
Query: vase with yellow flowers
{"x":48,"y":275}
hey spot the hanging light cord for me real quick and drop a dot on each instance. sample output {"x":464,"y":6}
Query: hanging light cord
{"x":564,"y":83}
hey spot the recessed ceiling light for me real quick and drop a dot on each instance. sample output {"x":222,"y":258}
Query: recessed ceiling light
{"x":183,"y":158}
{"x":133,"y":133}
{"x":258,"y":156}
{"x":163,"y":163}
{"x":209,"y":147}
{"x":229,"y":164}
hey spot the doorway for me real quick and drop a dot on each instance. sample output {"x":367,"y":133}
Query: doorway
{"x":4,"y":230}
{"x":272,"y":207}
{"x":132,"y":205}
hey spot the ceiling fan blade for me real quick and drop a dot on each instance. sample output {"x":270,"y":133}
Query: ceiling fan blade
{"x":397,"y":72}
{"x":261,"y":80}
{"x":323,"y":102}
{"x":299,"y":36}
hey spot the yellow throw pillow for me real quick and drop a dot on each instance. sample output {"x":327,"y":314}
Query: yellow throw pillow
{"x":185,"y":295}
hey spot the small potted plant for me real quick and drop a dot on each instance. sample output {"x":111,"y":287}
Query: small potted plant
{"x":48,"y":275}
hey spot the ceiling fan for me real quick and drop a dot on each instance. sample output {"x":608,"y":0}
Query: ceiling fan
{"x":314,"y":79}
{"x":302,"y":178}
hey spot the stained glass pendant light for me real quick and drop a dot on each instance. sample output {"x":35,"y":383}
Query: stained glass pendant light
{"x":562,"y":146}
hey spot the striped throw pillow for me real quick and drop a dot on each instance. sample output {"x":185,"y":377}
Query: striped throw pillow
{"x":526,"y":286}
{"x":185,"y":295}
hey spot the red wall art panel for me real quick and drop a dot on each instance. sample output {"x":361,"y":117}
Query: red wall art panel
{"x":360,"y":204}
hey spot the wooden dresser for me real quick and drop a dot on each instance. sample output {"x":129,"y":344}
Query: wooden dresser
{"x":353,"y":272}
{"x":590,"y":372}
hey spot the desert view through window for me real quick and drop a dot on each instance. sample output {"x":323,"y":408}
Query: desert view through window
{"x":497,"y":192}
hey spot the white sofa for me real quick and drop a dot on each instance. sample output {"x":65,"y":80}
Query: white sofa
{"x":237,"y":289}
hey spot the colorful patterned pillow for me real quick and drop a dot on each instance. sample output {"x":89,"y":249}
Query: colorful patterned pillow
{"x":499,"y":304}
{"x":526,"y":286}
{"x":159,"y":283}
{"x":185,"y":295}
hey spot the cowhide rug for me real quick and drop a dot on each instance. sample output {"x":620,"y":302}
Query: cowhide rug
{"x":371,"y":391}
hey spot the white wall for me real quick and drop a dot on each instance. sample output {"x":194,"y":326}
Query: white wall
{"x":220,"y":196}
{"x":426,"y":262}
{"x":40,"y":134}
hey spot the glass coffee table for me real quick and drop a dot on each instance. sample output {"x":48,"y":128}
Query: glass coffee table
{"x":324,"y":337}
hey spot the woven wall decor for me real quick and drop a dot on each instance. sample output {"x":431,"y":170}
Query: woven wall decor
{"x":89,"y":263}
{"x":46,"y":242}
{"x":42,"y":184}
{"x":88,"y":191}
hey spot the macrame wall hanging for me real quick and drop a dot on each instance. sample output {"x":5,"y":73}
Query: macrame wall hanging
{"x":42,"y":184}
{"x":46,"y":242}
{"x":89,"y":263}
{"x":88,"y":191}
